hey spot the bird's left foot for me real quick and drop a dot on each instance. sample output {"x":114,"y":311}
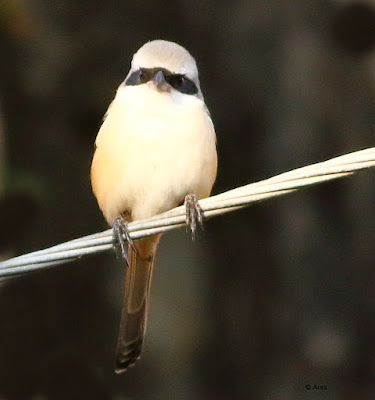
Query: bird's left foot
{"x":194,"y":213}
{"x":121,"y":236}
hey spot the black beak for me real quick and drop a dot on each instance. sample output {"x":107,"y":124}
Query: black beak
{"x":159,"y":78}
{"x":160,"y":82}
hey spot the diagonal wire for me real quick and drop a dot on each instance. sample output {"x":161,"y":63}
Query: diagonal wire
{"x":216,"y":205}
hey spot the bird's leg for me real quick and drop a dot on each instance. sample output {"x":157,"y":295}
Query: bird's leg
{"x":121,"y":236}
{"x":194,"y":213}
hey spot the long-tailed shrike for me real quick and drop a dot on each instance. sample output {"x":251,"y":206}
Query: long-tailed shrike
{"x":155,"y":150}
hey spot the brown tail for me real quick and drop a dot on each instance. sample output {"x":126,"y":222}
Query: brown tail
{"x":134,"y":311}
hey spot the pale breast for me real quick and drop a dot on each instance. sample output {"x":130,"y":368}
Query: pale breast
{"x":151,"y":152}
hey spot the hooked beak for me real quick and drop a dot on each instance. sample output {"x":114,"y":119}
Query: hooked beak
{"x":160,"y":83}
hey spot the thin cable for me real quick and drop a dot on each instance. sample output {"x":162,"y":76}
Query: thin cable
{"x":216,"y":205}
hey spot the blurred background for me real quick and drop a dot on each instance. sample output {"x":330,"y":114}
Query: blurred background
{"x":269,"y":299}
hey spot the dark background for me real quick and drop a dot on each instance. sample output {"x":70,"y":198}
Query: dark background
{"x":269,"y":299}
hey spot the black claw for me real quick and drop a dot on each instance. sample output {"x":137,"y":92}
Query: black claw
{"x":121,"y":236}
{"x":194,"y":214}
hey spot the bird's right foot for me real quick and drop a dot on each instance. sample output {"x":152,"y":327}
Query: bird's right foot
{"x":121,"y":236}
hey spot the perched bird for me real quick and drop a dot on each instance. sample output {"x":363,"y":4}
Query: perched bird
{"x":155,"y":150}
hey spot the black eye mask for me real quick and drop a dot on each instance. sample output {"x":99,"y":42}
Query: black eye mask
{"x":178,"y":81}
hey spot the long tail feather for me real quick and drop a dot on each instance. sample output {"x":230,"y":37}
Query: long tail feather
{"x":134,"y":311}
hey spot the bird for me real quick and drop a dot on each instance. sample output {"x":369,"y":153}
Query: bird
{"x":155,"y":150}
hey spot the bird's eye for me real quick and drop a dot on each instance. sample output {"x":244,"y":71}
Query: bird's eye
{"x":180,"y":80}
{"x":177,"y":81}
{"x":134,"y":78}
{"x":183,"y":84}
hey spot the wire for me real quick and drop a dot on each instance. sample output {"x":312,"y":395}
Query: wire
{"x":216,"y":205}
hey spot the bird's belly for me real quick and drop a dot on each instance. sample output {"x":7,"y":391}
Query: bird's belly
{"x":154,"y":162}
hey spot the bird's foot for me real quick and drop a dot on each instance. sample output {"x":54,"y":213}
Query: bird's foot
{"x":194,"y":214}
{"x":121,"y":236}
